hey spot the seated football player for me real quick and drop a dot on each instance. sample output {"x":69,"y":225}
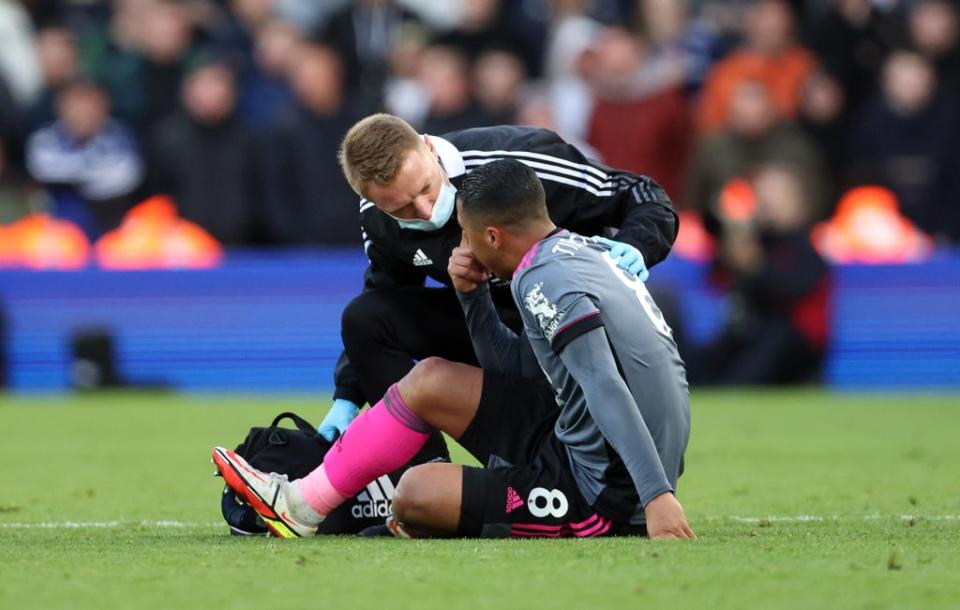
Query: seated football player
{"x":593,"y":448}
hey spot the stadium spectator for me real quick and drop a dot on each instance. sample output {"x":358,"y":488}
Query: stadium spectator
{"x":770,"y":55}
{"x":673,"y":36}
{"x":498,"y":78}
{"x":110,"y":53}
{"x":495,"y":24}
{"x":18,"y":53}
{"x":726,"y":19}
{"x":776,"y":328}
{"x":437,"y":15}
{"x":203,"y":157}
{"x":404,"y":95}
{"x":309,"y":16}
{"x":536,"y":111}
{"x":851,"y":39}
{"x":571,"y":34}
{"x":265,"y":90}
{"x":420,"y":59}
{"x":362,"y":33}
{"x":906,"y":139}
{"x":235,"y":32}
{"x":167,"y":46}
{"x":934,"y":32}
{"x":89,"y":163}
{"x":619,"y":64}
{"x":9,"y":112}
{"x":444,"y":74}
{"x":142,"y":57}
{"x":14,"y":196}
{"x":308,"y":200}
{"x":59,"y":63}
{"x":825,"y":117}
{"x":754,"y":135}
{"x":640,"y":121}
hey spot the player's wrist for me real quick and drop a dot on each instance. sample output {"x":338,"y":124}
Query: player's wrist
{"x":477,"y":291}
{"x":658,"y":498}
{"x":465,"y":288}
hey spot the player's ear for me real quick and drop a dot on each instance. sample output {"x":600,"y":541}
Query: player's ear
{"x":494,"y":237}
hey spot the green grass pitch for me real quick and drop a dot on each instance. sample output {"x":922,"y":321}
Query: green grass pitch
{"x":801,"y":499}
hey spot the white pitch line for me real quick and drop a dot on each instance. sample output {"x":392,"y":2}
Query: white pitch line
{"x":170,"y":524}
{"x":52,"y":525}
{"x":822,"y":518}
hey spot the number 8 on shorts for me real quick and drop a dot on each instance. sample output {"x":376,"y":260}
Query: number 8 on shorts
{"x":543,"y":503}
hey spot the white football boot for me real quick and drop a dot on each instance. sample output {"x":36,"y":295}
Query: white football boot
{"x":265,"y":492}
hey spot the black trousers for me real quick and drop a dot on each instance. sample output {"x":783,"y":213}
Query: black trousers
{"x":385,"y":331}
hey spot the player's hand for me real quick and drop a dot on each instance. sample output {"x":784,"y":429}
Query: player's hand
{"x":338,"y":418}
{"x":465,"y":270}
{"x":665,"y":518}
{"x":628,"y":258}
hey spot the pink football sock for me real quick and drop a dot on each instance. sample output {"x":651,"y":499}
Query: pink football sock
{"x":379,"y":441}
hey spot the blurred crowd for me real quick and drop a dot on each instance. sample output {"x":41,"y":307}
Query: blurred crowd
{"x":756,"y":116}
{"x":143,"y":133}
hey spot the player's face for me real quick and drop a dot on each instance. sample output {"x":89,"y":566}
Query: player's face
{"x":484,"y":242}
{"x":414,"y":191}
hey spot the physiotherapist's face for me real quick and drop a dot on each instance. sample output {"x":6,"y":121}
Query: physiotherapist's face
{"x":413,"y":192}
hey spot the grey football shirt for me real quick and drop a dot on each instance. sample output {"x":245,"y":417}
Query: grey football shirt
{"x":609,"y":355}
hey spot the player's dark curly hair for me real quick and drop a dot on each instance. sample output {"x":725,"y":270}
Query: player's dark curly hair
{"x":504,"y":192}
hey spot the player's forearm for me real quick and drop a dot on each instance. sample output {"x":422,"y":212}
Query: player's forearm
{"x":497,"y":347}
{"x":620,"y":422}
{"x":589,"y":359}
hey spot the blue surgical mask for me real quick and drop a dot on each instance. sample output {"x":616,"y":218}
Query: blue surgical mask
{"x":439,"y":216}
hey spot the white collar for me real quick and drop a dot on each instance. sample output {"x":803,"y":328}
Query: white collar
{"x":449,"y":156}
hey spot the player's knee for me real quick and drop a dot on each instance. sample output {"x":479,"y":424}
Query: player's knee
{"x":411,"y":501}
{"x":424,"y":384}
{"x":361,"y":317}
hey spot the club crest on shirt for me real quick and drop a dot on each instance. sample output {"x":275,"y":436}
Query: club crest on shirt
{"x":546,"y":313}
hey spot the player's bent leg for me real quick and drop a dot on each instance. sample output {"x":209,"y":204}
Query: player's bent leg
{"x":385,"y":330}
{"x":427,"y":500}
{"x":379,"y":441}
{"x":438,"y":394}
{"x":444,"y":394}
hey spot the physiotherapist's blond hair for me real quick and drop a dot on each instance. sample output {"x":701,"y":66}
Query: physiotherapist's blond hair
{"x":374,"y":149}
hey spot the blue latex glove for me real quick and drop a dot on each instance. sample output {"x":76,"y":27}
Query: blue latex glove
{"x":338,"y":418}
{"x":628,"y":258}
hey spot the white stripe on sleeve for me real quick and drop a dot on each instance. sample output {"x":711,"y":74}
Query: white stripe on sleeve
{"x":547,"y":158}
